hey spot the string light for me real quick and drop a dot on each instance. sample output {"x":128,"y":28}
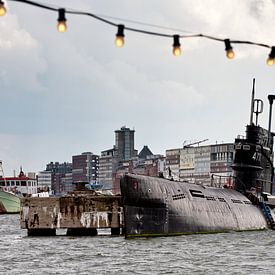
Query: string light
{"x":120,"y":36}
{"x":62,"y":27}
{"x":229,"y":50}
{"x":271,"y":57}
{"x":61,"y":21}
{"x":3,"y":9}
{"x":176,"y":45}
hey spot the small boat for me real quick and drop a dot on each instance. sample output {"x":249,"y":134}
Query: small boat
{"x":12,"y":189}
{"x":161,"y":207}
{"x":9,"y":202}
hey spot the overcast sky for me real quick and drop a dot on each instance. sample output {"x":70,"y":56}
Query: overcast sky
{"x":65,"y":93}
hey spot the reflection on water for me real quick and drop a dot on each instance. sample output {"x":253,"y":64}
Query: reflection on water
{"x":228,"y":253}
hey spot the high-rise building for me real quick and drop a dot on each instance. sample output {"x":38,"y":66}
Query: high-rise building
{"x":56,"y":167}
{"x":111,"y":159}
{"x":85,"y":168}
{"x":58,"y":171}
{"x":107,"y":165}
{"x":67,"y":183}
{"x":44,"y":180}
{"x":125,"y":144}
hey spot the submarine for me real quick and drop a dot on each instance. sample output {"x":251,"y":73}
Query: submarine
{"x":163,"y":207}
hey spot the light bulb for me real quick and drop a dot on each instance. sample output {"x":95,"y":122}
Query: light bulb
{"x":176,"y":51}
{"x":61,"y":21}
{"x":3,"y":10}
{"x":271,"y":57}
{"x":176,"y":45}
{"x":229,"y":50}
{"x":270,"y":61}
{"x":120,"y":36}
{"x":61,"y":26}
{"x":230,"y":54}
{"x":119,"y":41}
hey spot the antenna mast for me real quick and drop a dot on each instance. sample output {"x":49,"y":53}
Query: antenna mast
{"x":252,"y":102}
{"x":270,"y":99}
{"x":2,"y":172}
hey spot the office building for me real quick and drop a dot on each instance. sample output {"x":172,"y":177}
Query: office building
{"x":58,"y":171}
{"x":125,"y":143}
{"x":207,"y":165}
{"x":44,"y":181}
{"x":85,"y":168}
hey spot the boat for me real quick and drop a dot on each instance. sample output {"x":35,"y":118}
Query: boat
{"x":9,"y":203}
{"x":14,"y":188}
{"x":164,"y":207}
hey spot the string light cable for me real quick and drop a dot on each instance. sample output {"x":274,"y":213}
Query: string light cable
{"x":120,"y":36}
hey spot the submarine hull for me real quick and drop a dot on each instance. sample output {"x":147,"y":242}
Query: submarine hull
{"x":160,"y":207}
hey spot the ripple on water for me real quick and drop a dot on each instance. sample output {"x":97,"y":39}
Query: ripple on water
{"x":231,"y":253}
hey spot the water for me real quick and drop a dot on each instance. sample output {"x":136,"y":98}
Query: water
{"x":230,"y":253}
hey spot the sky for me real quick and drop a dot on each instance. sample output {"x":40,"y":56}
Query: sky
{"x":66,"y":93}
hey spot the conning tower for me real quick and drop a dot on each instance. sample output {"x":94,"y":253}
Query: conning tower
{"x":253,"y":158}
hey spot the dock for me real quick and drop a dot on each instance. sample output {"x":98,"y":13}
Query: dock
{"x":81,"y":213}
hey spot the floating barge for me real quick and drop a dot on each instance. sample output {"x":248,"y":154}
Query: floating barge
{"x":82,"y":213}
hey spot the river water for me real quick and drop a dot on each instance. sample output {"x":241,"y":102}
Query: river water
{"x":229,"y":253}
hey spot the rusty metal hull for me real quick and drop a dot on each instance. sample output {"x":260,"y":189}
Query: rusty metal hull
{"x":159,"y":207}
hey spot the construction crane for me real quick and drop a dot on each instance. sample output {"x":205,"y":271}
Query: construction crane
{"x":193,"y":143}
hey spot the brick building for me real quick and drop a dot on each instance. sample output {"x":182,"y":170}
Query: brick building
{"x":85,"y":168}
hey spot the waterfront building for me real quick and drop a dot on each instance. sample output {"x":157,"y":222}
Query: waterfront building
{"x":187,"y":164}
{"x":44,"y":181}
{"x":58,"y":171}
{"x":173,"y":163}
{"x":67,"y":183}
{"x":85,"y":168}
{"x":153,"y":166}
{"x":56,"y":167}
{"x":58,"y":186}
{"x":210,"y":164}
{"x":202,"y":164}
{"x":221,"y":159}
{"x":108,"y":163}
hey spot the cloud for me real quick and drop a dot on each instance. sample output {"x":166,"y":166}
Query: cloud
{"x":66,"y":93}
{"x":20,"y":54}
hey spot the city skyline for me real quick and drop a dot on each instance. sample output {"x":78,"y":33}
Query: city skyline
{"x":66,"y":93}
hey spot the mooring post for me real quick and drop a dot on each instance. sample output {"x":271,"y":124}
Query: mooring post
{"x":115,"y":223}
